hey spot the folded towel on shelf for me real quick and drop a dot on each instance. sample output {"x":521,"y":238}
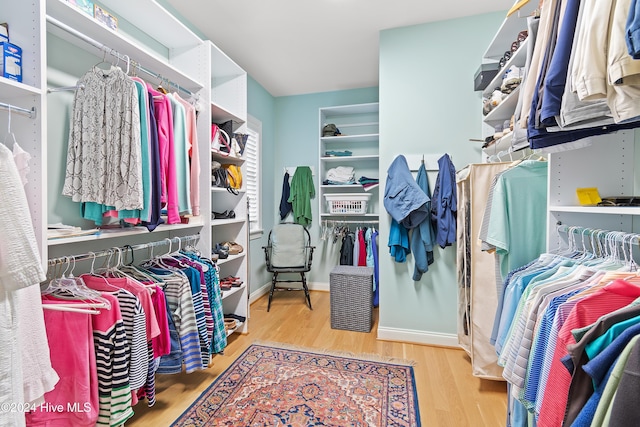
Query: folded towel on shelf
{"x":333,"y":153}
{"x":368,"y":183}
{"x":341,"y":174}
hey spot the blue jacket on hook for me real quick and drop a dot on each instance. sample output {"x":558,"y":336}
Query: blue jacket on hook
{"x":404,"y":200}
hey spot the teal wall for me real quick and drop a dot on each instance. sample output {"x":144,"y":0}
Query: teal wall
{"x":428,"y":106}
{"x":297,"y":139}
{"x":261,"y":105}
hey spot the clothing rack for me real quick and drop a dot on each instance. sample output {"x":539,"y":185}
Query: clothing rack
{"x":107,"y":252}
{"x":65,"y":88}
{"x":116,"y":54}
{"x":339,"y":222}
{"x":19,"y":110}
{"x":603,"y":238}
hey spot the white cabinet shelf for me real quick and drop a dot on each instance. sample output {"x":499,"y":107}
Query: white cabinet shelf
{"x":344,"y":159}
{"x":518,"y":59}
{"x":195,"y":223}
{"x":12,"y":89}
{"x":504,"y":110}
{"x":228,"y":87}
{"x":509,"y":30}
{"x":608,"y":164}
{"x":600,"y":210}
{"x":65,"y":13}
{"x":156,"y":40}
{"x":359,"y":128}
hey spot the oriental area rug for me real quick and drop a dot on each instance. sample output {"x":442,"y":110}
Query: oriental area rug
{"x":273,"y":386}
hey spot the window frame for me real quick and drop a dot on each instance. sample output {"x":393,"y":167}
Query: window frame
{"x":254,"y":127}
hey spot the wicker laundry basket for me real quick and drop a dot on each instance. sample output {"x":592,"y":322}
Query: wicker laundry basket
{"x":351,"y":294}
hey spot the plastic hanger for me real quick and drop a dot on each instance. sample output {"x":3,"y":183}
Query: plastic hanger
{"x":69,"y":287}
{"x":9,"y":131}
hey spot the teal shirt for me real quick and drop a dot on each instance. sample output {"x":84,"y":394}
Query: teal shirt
{"x":518,"y":223}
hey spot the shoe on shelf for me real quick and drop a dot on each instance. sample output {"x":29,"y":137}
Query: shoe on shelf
{"x":511,"y":79}
{"x":239,"y":318}
{"x":230,"y":324}
{"x":230,"y":214}
{"x":234,"y":248}
{"x":221,"y":251}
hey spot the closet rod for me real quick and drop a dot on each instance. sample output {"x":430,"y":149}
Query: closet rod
{"x":618,"y":236}
{"x":65,"y":88}
{"x":13,"y":109}
{"x":113,"y":52}
{"x":338,"y":222}
{"x":107,"y":252}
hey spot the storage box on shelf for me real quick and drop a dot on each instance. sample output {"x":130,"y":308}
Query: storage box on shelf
{"x":355,"y":147}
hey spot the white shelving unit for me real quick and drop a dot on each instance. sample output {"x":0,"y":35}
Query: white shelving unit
{"x":228,"y":87}
{"x":608,"y":165}
{"x":359,"y":125}
{"x":501,"y":43}
{"x":156,"y":40}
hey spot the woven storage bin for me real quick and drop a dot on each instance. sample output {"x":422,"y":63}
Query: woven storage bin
{"x":351,"y":294}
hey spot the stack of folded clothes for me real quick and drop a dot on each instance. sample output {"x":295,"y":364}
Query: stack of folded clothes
{"x":341,"y":175}
{"x":368,"y":183}
{"x":334,"y":153}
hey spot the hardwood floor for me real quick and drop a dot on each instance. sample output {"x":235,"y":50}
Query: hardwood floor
{"x":448,"y":394}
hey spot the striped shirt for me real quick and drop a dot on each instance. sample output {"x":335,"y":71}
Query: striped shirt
{"x":134,"y":320}
{"x":586,"y":311}
{"x":177,"y":290}
{"x":212,"y":282}
{"x":109,"y":338}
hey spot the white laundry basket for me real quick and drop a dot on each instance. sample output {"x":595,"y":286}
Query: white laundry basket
{"x":347,"y":203}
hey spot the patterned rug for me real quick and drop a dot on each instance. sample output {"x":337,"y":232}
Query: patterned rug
{"x":272,"y":386}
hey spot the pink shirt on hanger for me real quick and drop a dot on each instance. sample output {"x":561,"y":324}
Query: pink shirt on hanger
{"x":168,"y":172}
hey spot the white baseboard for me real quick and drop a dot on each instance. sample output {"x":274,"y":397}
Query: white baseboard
{"x":384,"y":334}
{"x":418,"y":337}
{"x":262,"y":290}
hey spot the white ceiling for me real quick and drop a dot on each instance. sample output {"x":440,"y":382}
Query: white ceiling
{"x":294,"y":47}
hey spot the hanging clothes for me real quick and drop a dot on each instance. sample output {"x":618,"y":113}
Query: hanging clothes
{"x":285,"y":204}
{"x":423,"y":236}
{"x":180,"y":142}
{"x":26,"y":371}
{"x":302,"y":191}
{"x":167,"y":155}
{"x":104,"y":162}
{"x":403,"y":198}
{"x":398,"y":242}
{"x":193,"y":152}
{"x":444,"y":204}
{"x":76,"y":366}
{"x":156,"y":180}
{"x":518,"y":218}
{"x":376,"y":268}
{"x":346,"y":250}
{"x":362,"y":248}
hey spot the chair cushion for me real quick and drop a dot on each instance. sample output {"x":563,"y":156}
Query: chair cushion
{"x":288,"y":246}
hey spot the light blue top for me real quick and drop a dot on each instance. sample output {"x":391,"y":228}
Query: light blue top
{"x":518,"y":221}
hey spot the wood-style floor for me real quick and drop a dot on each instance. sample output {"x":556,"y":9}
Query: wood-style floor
{"x":447,"y":392}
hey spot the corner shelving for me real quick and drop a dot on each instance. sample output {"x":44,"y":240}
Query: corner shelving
{"x":228,"y":87}
{"x":359,"y":125}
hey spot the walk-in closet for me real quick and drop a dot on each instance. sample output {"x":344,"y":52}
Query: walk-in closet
{"x":448,"y":190}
